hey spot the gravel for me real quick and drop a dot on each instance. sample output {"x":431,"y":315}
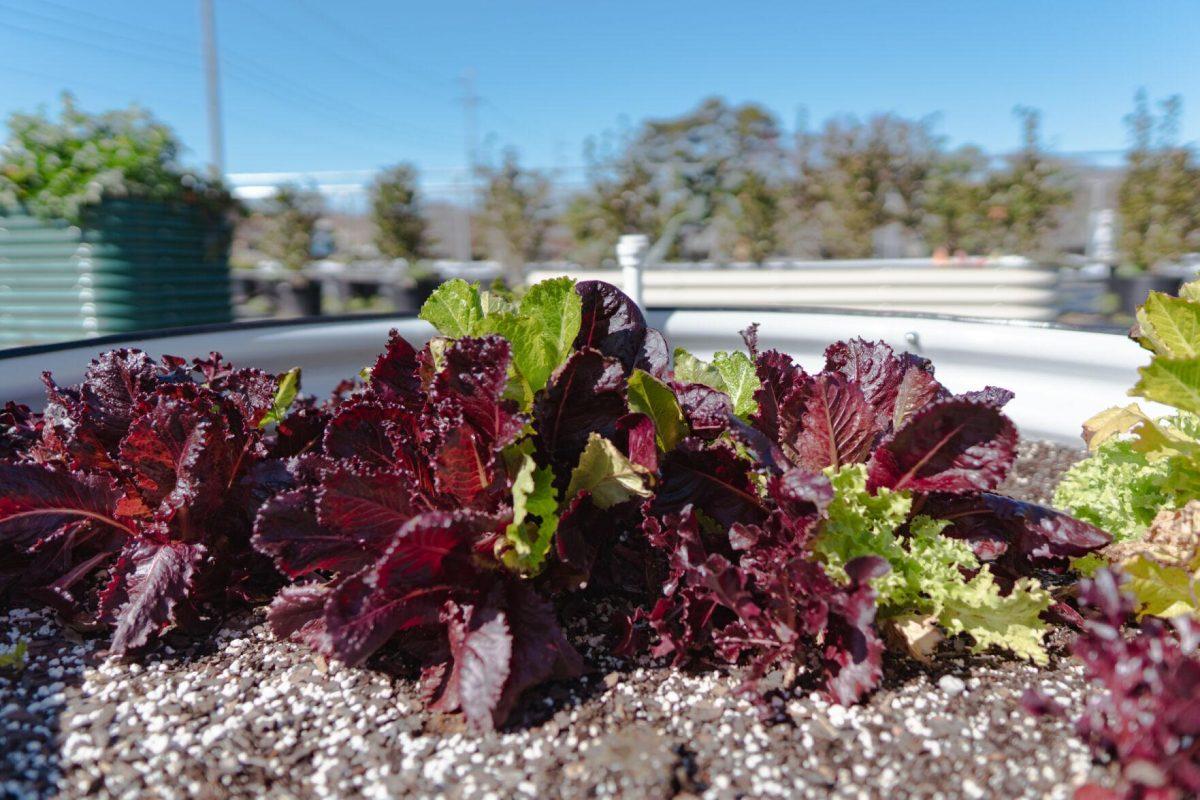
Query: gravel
{"x":244,"y":715}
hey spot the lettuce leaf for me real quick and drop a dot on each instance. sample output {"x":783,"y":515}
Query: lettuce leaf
{"x":1117,"y":489}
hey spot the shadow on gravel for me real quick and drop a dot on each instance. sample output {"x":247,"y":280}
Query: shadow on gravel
{"x":34,"y":701}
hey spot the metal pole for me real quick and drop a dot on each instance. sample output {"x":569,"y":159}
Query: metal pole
{"x":470,"y":103}
{"x":216,"y":142}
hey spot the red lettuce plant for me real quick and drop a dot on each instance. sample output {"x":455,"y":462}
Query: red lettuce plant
{"x":537,"y":455}
{"x":1148,"y":719}
{"x":149,"y":473}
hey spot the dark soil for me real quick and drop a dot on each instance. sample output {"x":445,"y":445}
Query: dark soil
{"x":253,"y":717}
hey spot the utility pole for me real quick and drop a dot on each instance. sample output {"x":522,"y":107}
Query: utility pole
{"x":216,"y":143}
{"x":470,"y":102}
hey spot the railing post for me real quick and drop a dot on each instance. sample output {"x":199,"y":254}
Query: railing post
{"x":631,"y":255}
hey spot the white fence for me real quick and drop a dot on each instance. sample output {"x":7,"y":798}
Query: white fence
{"x":974,"y":289}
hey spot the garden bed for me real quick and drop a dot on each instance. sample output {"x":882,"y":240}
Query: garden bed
{"x":248,"y":715}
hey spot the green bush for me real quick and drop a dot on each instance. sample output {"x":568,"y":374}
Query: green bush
{"x":57,"y":168}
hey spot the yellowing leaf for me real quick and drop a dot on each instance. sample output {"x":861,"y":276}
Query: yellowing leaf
{"x":604,"y":471}
{"x":1109,"y":423}
{"x":652,"y":397}
{"x":14,"y":657}
{"x":1164,"y":565}
{"x":1010,"y":622}
{"x":1171,"y":325}
{"x":916,"y":635}
{"x":1172,"y":381}
{"x":1163,"y":591}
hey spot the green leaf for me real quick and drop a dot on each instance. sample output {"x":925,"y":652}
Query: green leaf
{"x":557,"y":311}
{"x":1010,"y":622}
{"x":13,"y":658}
{"x":689,"y":369}
{"x":454,"y":309}
{"x":1117,"y":489}
{"x":604,"y":471}
{"x":541,"y":333}
{"x":285,"y":395}
{"x":1171,"y":381}
{"x":655,"y":399}
{"x":1171,"y":325}
{"x":741,"y":380}
{"x":534,"y":495}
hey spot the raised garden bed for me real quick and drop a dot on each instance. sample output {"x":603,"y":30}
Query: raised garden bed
{"x":630,"y":578}
{"x":248,"y":716}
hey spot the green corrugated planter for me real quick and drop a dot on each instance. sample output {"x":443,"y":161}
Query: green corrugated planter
{"x":131,"y":265}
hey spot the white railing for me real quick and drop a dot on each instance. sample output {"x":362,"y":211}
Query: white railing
{"x":1060,"y":376}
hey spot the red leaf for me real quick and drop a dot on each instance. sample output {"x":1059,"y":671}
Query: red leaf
{"x":395,"y":376}
{"x":179,"y":454}
{"x":465,"y":468}
{"x":613,"y":325}
{"x":151,"y":578}
{"x":473,"y":381}
{"x":584,"y":395}
{"x":1016,"y":536}
{"x":872,"y":366}
{"x":359,"y":618}
{"x":481,"y":648}
{"x":917,"y":389}
{"x":298,"y":612}
{"x":951,"y":445}
{"x":287,"y":530}
{"x":838,"y":426}
{"x":367,"y":505}
{"x":428,"y":545}
{"x":779,"y":380}
{"x":635,"y":436}
{"x":709,"y":412}
{"x":714,"y":479}
{"x":37,"y":501}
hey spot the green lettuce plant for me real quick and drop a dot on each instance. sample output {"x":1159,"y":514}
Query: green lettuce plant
{"x":1142,"y":480}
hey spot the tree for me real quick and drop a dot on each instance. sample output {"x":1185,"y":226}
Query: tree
{"x":855,"y":177}
{"x":953,"y":202}
{"x":756,"y":213}
{"x":681,"y":176}
{"x":1159,"y":198}
{"x":292,"y":214}
{"x":516,"y":214}
{"x":623,"y":197}
{"x":1024,"y":201}
{"x":400,"y":226}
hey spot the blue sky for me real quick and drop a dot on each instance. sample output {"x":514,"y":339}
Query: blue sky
{"x":319,"y":85}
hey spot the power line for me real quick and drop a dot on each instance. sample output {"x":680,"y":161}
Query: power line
{"x":334,"y":24}
{"x":335,"y":53}
{"x":266,"y":81}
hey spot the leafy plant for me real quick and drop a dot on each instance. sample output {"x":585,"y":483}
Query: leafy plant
{"x":540,"y":454}
{"x":909,"y":472}
{"x":1146,"y":720}
{"x":1142,"y":480}
{"x":57,"y":168}
{"x":148,"y":472}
